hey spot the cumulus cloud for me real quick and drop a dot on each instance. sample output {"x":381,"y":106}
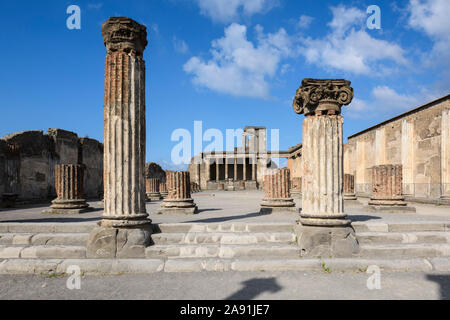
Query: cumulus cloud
{"x":432,"y":17}
{"x":386,"y":101}
{"x":348,"y":47}
{"x":238,"y":66}
{"x":304,"y":21}
{"x":225,"y":11}
{"x":179,"y":45}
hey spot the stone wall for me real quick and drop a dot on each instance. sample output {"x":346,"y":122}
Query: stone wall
{"x":414,"y":140}
{"x":154,"y":170}
{"x":27,"y":161}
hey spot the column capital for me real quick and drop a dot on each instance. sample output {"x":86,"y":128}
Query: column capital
{"x":322,"y":96}
{"x":124,"y":34}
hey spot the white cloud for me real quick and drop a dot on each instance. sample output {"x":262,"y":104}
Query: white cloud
{"x":348,"y":47}
{"x":304,"y":21}
{"x":433,"y":18}
{"x":229,"y":10}
{"x":387,"y":102}
{"x":179,"y":45}
{"x":238,"y":67}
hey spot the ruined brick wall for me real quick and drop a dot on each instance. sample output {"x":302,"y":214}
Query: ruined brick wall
{"x":413,"y":140}
{"x":28,"y":158}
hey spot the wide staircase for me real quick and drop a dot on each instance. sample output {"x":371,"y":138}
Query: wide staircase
{"x":225,"y":246}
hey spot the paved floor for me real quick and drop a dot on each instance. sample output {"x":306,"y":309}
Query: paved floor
{"x":230,"y":285}
{"x":223,"y":206}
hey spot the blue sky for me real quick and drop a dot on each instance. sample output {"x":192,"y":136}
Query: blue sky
{"x":227,"y":63}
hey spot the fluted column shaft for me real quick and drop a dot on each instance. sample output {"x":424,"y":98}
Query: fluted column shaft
{"x":349,"y":187}
{"x":276,"y":184}
{"x":178,"y":185}
{"x":322,"y":183}
{"x":152,"y":185}
{"x":69,"y":181}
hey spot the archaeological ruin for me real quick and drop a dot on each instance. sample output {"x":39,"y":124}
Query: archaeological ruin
{"x":383,"y":195}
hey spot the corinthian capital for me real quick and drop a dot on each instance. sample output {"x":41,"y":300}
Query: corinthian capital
{"x":124,"y":34}
{"x":323,"y":96}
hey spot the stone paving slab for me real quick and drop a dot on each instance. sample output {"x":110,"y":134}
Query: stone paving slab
{"x":139,"y":266}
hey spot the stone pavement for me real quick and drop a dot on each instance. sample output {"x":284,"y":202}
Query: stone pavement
{"x":230,"y":285}
{"x":229,"y":207}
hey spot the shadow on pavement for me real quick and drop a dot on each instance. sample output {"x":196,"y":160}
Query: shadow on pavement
{"x":443,"y":280}
{"x":222,"y":219}
{"x":254,"y":287}
{"x":361,"y":217}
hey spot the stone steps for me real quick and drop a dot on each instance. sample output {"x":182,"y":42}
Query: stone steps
{"x":70,"y":239}
{"x":42,"y":252}
{"x":405,"y":250}
{"x":417,"y":226}
{"x":431,"y":237}
{"x":223,"y":238}
{"x":223,"y":227}
{"x":147,"y":266}
{"x":223,"y":251}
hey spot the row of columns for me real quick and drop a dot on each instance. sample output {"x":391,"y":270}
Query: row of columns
{"x":235,"y":167}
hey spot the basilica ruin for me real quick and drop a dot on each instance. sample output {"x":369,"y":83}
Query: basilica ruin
{"x":383,"y":195}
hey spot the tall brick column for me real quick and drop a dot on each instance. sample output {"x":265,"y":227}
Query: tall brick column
{"x":179,"y":198}
{"x":324,"y":229}
{"x":69,"y":190}
{"x":387,"y":187}
{"x":163,"y":189}
{"x":124,"y":229}
{"x":152,"y":189}
{"x":277,"y":197}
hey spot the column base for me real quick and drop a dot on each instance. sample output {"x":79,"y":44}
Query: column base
{"x":296,"y":194}
{"x":73,"y":206}
{"x":164,"y":194}
{"x":154,"y":196}
{"x":107,"y":242}
{"x":186,"y":206}
{"x":327,"y":242}
{"x":349,"y":196}
{"x":278,"y":205}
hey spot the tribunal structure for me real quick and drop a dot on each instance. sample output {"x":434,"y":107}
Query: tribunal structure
{"x":124,"y":230}
{"x":325,"y":229}
{"x":242,"y":168}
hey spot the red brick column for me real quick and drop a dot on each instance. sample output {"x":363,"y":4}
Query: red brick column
{"x":69,"y":190}
{"x":349,"y":187}
{"x":179,"y":198}
{"x":387,"y":186}
{"x":152,"y":189}
{"x":276,"y":192}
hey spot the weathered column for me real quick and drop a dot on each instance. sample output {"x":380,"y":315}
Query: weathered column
{"x":217,"y":170}
{"x":324,"y":229}
{"x":179,"y":198}
{"x":69,"y":190}
{"x":163,"y":189}
{"x":296,"y":187}
{"x":387,"y":188}
{"x":445,"y":155}
{"x":244,"y":169}
{"x":277,"y":197}
{"x":124,"y":229}
{"x":235,"y":169}
{"x":254,"y":168}
{"x":152,"y":189}
{"x":226,"y":168}
{"x":349,"y":187}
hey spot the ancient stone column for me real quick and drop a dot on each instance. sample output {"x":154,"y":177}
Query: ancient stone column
{"x":277,"y":197}
{"x":387,"y":186}
{"x":296,"y":187}
{"x":349,"y":187}
{"x":179,"y":198}
{"x":217,"y":170}
{"x":163,"y":189}
{"x":325,"y":229}
{"x":445,"y":155}
{"x":152,"y":189}
{"x":253,"y":168}
{"x":69,"y":190}
{"x":235,"y":178}
{"x":124,"y":229}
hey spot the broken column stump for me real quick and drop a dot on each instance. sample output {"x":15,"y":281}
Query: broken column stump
{"x":387,"y":188}
{"x":179,"y":198}
{"x":277,"y":197}
{"x":152,"y":189}
{"x":69,"y":190}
